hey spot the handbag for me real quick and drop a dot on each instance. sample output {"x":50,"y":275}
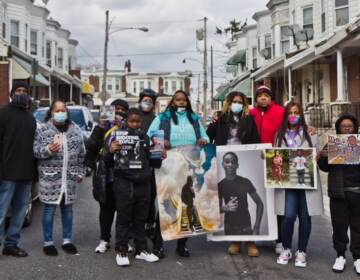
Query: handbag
{"x":99,"y":181}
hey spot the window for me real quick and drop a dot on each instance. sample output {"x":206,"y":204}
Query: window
{"x":109,"y":86}
{"x":15,"y":33}
{"x":70,"y":62}
{"x":56,"y":54}
{"x":33,"y":42}
{"x":4,"y":30}
{"x":60,"y":58}
{"x":285,"y":40}
{"x":149,"y":85}
{"x":273,"y":43}
{"x":142,"y":86}
{"x":173,"y":86}
{"x":254,"y":58}
{"x":43,"y":45}
{"x":268,"y":45}
{"x":323,"y":19}
{"x":134,"y":86}
{"x":258,"y":45}
{"x":117,"y":85}
{"x":48,"y":53}
{"x":342,"y":12}
{"x":26,"y":37}
{"x":321,"y":85}
{"x":166,"y":87}
{"x":308,"y":19}
{"x":181,"y":85}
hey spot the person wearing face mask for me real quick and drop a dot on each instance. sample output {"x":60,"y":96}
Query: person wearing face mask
{"x":344,"y":194}
{"x":17,"y":165}
{"x":235,"y":127}
{"x":105,"y":196}
{"x":147,"y":101}
{"x":181,"y":127}
{"x":60,"y":150}
{"x":293,"y":203}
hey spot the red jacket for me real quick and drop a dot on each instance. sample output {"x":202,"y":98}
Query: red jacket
{"x":268,"y":122}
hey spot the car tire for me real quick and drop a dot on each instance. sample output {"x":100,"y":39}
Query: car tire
{"x":28,"y":217}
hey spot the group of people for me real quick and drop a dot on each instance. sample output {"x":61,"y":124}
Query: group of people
{"x":57,"y":150}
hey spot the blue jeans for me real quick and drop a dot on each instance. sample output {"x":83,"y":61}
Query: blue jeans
{"x":296,"y":206}
{"x":48,"y":221}
{"x":16,"y":194}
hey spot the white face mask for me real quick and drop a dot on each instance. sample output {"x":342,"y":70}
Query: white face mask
{"x":181,"y":109}
{"x":146,"y":106}
{"x":236,"y":108}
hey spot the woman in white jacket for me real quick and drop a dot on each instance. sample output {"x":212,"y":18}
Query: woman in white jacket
{"x":60,"y":150}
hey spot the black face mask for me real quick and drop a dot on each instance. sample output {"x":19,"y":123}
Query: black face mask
{"x":20,"y":100}
{"x":121,"y":114}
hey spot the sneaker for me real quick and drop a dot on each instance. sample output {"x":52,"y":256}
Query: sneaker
{"x":14,"y":251}
{"x":278,"y":248}
{"x":357,"y":266}
{"x":69,"y":248}
{"x":102,"y":247}
{"x":146,"y":256}
{"x":50,"y":250}
{"x":339,"y":264}
{"x":300,"y":260}
{"x":130,"y":248}
{"x":285,"y":256}
{"x":234,"y":248}
{"x":122,"y":259}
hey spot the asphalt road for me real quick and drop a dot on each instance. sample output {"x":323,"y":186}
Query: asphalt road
{"x":208,"y":260}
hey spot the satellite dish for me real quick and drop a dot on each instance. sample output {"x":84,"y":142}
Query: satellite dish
{"x":288,"y":31}
{"x":301,"y":36}
{"x":265,"y":53}
{"x":295,"y":28}
{"x":309,"y":34}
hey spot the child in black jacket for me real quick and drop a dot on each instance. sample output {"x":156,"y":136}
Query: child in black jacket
{"x":129,"y":153}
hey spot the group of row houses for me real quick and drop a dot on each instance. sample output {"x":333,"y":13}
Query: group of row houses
{"x":128,"y":85}
{"x":35,"y":48}
{"x":305,"y":50}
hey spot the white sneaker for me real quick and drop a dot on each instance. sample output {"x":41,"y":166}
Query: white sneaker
{"x":285,"y":257}
{"x":148,"y":257}
{"x":357,"y":266}
{"x":122,"y":259}
{"x":278,"y":248}
{"x":339,"y":264}
{"x":300,"y":260}
{"x":102,"y":247}
{"x":130,"y":248}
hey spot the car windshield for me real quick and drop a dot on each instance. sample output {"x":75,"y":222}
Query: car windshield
{"x":76,"y":116}
{"x":95,"y":114}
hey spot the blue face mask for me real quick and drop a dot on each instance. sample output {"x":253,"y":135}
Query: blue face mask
{"x":60,"y":117}
{"x":236,"y":108}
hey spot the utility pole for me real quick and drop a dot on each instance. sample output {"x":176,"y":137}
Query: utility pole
{"x":105,"y":58}
{"x":198,"y":95}
{"x":205,"y":71}
{"x":212,"y":77}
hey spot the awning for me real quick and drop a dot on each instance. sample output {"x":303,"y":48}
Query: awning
{"x":223,"y":92}
{"x":269,"y":69}
{"x":77,"y":82}
{"x":62,"y":76}
{"x":245,"y":87}
{"x":87,"y":88}
{"x":23,"y":70}
{"x":299,"y":60}
{"x":238,"y":58}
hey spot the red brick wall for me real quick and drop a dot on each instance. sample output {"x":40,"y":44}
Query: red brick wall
{"x":4,"y":84}
{"x":94,"y":80}
{"x":161,"y":85}
{"x":76,"y":73}
{"x":187,"y":85}
{"x":123,"y":83}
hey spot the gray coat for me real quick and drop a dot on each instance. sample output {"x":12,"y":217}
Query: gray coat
{"x":58,"y":172}
{"x":313,"y":197}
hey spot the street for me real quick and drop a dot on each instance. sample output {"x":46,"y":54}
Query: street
{"x":208,"y":259}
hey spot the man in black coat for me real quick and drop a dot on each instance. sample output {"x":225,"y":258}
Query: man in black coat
{"x":17,"y":165}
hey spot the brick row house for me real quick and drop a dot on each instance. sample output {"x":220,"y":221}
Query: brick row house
{"x":34,"y":47}
{"x":305,"y":50}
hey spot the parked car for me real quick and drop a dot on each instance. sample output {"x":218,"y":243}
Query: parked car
{"x":95,"y":114}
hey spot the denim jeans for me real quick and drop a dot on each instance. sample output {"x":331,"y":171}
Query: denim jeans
{"x":16,"y":194}
{"x":48,"y":221}
{"x":296,"y":206}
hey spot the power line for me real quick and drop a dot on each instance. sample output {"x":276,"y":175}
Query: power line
{"x":130,"y":23}
{"x":89,"y":55}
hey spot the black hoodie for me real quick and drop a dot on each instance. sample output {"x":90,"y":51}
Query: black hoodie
{"x":341,"y":177}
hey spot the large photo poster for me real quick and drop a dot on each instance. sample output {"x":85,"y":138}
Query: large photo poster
{"x":187,"y":192}
{"x":344,"y":149}
{"x":290,"y":168}
{"x":247,"y":208}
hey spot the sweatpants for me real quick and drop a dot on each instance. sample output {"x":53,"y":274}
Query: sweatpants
{"x":345,"y":213}
{"x":107,"y":213}
{"x":132,"y":206}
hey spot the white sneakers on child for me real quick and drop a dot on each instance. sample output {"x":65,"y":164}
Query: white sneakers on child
{"x":122,"y":259}
{"x":285,"y":257}
{"x":146,"y":256}
{"x":339,"y":264}
{"x":102,"y":247}
{"x":300,"y":260}
{"x":357,"y":266}
{"x":278,"y":248}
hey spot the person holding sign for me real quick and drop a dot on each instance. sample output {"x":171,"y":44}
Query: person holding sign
{"x":181,"y":126}
{"x":344,"y":193}
{"x":235,"y":127}
{"x":128,"y":153}
{"x":293,"y":203}
{"x":60,"y":150}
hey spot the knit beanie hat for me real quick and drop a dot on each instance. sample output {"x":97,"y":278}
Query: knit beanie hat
{"x":19,"y":84}
{"x":150,"y":93}
{"x":264,"y":89}
{"x":120,"y":102}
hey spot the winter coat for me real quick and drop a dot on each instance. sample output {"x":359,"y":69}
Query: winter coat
{"x":335,"y":172}
{"x":93,"y":146}
{"x":147,"y":119}
{"x":17,"y":130}
{"x":218,"y":132}
{"x":314,"y":198}
{"x":58,"y":172}
{"x":268,"y":122}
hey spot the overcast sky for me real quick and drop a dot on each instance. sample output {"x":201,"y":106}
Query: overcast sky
{"x":172,"y":25}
